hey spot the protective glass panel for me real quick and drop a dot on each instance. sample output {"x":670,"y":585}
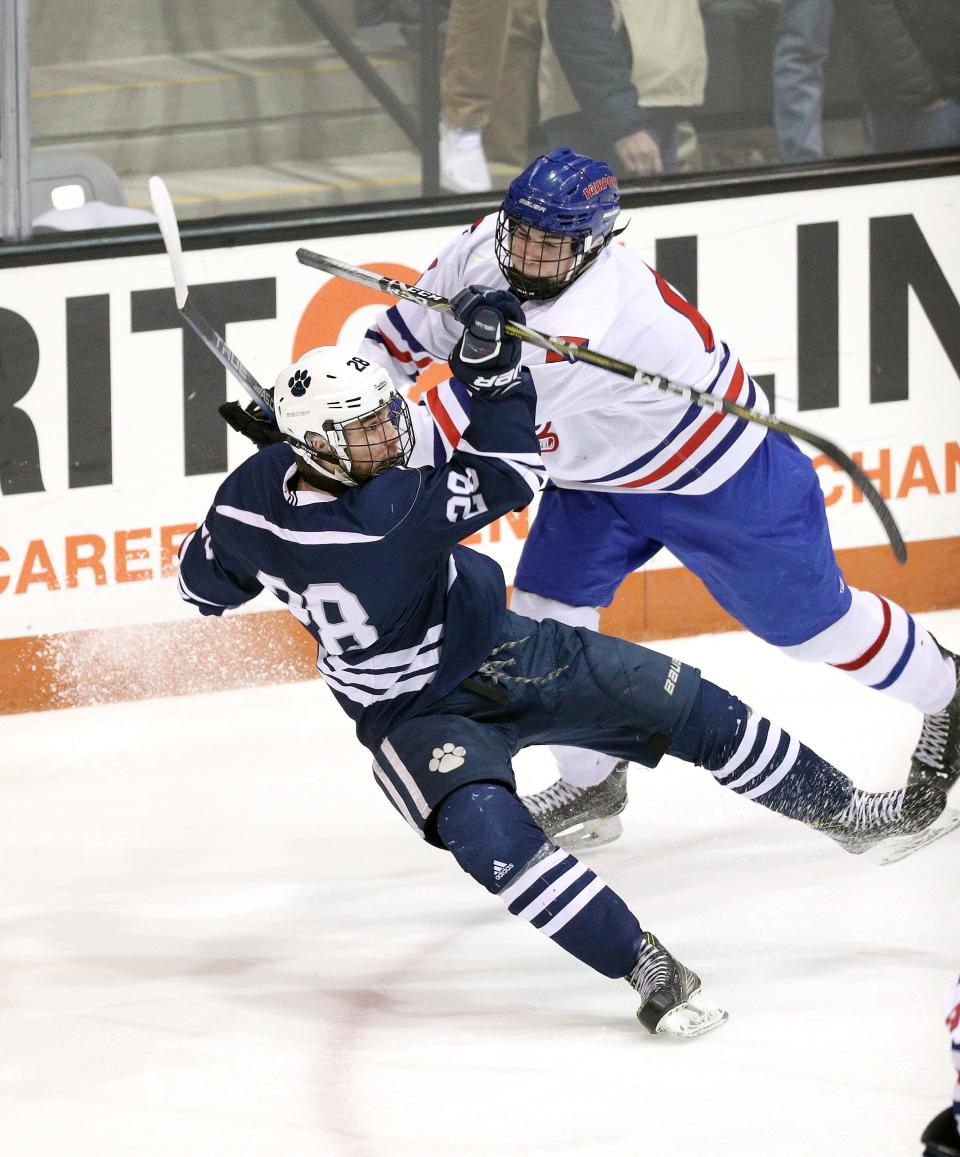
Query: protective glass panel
{"x":254,"y":106}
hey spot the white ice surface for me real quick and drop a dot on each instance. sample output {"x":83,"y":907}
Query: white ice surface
{"x":218,"y":938}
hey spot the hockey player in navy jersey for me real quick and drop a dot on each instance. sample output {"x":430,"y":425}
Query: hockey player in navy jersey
{"x":445,"y":684}
{"x":633,"y":469}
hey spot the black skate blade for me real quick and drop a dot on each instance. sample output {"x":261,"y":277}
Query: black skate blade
{"x":692,"y":1019}
{"x":893,"y":851}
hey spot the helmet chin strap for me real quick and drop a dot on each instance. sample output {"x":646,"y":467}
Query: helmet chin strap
{"x":545,"y":288}
{"x":315,"y":462}
{"x":536,"y":288}
{"x":332,"y":466}
{"x":315,"y":470}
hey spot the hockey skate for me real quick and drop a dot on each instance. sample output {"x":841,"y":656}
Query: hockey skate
{"x":891,"y":824}
{"x":670,"y":1000}
{"x":936,"y":758}
{"x":941,"y":1137}
{"x":581,"y":817}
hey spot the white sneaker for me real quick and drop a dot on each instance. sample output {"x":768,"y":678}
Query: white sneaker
{"x":463,"y":163}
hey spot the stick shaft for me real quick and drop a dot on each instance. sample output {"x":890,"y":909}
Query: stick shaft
{"x":225,"y":355}
{"x":170,"y":231}
{"x":573,"y":352}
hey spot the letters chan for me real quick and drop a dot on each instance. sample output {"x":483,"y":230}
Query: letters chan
{"x":899,"y":472}
{"x":138,"y":554}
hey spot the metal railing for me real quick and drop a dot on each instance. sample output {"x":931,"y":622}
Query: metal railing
{"x":14,"y":121}
{"x":422,"y":132}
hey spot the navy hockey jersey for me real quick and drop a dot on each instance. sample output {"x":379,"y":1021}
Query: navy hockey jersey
{"x":401,"y":613}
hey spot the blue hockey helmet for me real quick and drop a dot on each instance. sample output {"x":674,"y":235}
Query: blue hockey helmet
{"x":562,"y":195}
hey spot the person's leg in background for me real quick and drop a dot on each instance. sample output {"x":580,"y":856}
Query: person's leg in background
{"x":473,"y":58}
{"x":799,"y":58}
{"x":507,"y":137}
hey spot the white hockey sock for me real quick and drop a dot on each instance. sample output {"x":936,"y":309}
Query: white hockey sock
{"x":880,"y":645}
{"x":537,"y":607}
{"x":576,"y":765}
{"x":581,"y":767}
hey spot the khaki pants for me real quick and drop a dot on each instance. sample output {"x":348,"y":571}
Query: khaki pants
{"x":489,"y":73}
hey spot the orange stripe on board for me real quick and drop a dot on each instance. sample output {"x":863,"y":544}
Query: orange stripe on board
{"x":39,"y":673}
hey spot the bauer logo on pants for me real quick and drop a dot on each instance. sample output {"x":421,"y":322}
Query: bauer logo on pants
{"x":672,"y":676}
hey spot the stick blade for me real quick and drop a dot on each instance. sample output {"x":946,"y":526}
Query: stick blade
{"x":167,"y":220}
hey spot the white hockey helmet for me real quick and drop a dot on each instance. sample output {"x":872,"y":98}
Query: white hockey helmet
{"x":343,"y":416}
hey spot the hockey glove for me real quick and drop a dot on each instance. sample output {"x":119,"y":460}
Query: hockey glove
{"x":252,"y":422}
{"x":485,"y":358}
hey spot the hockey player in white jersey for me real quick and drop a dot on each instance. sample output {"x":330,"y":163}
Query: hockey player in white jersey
{"x":633,"y":469}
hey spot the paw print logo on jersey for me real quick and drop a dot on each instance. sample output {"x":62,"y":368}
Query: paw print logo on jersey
{"x":298,"y":383}
{"x":447,"y":758}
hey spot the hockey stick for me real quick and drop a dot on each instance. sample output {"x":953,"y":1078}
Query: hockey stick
{"x":575,"y":353}
{"x":167,"y":220}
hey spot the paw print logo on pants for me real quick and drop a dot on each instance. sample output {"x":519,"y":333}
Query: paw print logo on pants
{"x":447,"y":758}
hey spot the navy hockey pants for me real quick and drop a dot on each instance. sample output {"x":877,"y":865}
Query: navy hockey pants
{"x":543,"y":683}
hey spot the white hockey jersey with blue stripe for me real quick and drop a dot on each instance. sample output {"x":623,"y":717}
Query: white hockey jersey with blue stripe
{"x":597,"y":431}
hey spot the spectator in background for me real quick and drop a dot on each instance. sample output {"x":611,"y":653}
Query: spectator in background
{"x":487,"y":89}
{"x":799,"y":58}
{"x":908,"y":64}
{"x":617,"y":78}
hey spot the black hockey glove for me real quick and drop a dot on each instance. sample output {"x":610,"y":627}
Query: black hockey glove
{"x":485,"y":358}
{"x":252,"y":422}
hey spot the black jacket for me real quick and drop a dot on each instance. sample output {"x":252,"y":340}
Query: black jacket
{"x":597,"y":63}
{"x":908,"y":51}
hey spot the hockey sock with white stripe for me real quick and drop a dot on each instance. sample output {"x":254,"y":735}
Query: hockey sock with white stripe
{"x":882,"y":646}
{"x":494,"y":839}
{"x":755,"y":758}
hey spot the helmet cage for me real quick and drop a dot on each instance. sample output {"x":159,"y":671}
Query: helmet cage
{"x":328,"y":450}
{"x":551,"y":277}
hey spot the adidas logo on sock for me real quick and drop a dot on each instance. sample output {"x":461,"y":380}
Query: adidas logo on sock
{"x":500,"y":869}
